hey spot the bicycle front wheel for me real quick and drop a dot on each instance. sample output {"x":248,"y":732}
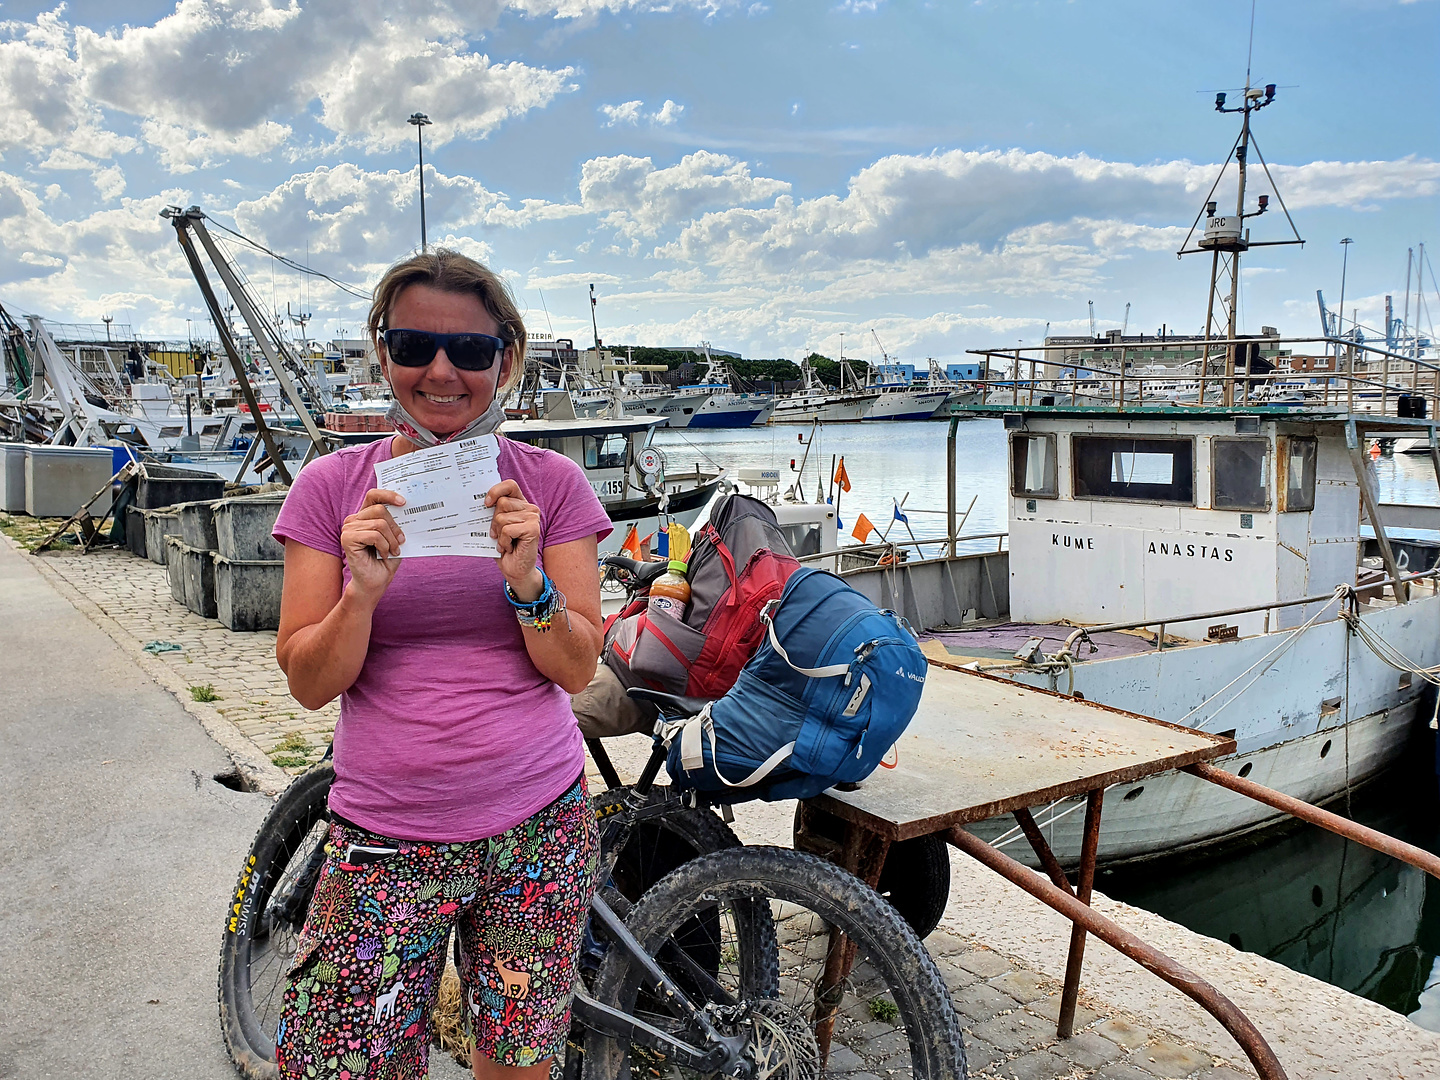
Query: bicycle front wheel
{"x":855,"y":991}
{"x":267,"y":913}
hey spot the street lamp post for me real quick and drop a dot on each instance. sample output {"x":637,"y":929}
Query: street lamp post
{"x":420,"y":120}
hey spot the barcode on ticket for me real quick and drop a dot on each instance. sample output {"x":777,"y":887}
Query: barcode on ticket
{"x":480,"y":534}
{"x":422,"y":508}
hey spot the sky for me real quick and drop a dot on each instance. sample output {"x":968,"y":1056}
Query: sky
{"x":764,"y":176}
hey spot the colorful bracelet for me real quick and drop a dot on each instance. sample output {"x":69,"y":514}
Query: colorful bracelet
{"x":540,"y":613}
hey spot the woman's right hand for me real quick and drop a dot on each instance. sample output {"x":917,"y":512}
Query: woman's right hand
{"x":368,"y":532}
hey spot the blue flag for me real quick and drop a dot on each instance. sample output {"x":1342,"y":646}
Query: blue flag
{"x":898,"y":515}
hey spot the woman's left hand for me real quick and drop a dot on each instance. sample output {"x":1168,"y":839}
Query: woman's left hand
{"x":516,"y":529}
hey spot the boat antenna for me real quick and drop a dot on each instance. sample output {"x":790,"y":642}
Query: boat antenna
{"x":595,"y":326}
{"x":1250,"y":50}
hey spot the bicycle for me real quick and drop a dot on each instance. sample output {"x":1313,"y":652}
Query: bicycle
{"x":703,"y":956}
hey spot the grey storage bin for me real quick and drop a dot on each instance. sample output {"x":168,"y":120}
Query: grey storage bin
{"x":167,"y":485}
{"x":135,"y":530}
{"x":174,"y":567}
{"x":12,"y":478}
{"x":196,"y":573}
{"x":59,"y":480}
{"x":247,"y":593}
{"x":242,"y":528}
{"x":158,"y":525}
{"x":197,"y":524}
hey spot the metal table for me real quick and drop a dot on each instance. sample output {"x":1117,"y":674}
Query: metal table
{"x":981,"y":746}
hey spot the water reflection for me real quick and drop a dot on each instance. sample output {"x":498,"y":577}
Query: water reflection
{"x":1319,"y":904}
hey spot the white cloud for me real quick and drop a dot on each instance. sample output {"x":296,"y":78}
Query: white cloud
{"x":218,"y":78}
{"x":627,"y":112}
{"x":630,"y":113}
{"x":906,"y":206}
{"x":639,"y":199}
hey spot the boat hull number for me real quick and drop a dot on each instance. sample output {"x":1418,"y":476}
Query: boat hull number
{"x":605,"y":488}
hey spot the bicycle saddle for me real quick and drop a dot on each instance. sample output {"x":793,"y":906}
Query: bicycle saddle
{"x":673,"y":705}
{"x":644,"y":572}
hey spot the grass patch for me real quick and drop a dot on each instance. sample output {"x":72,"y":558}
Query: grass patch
{"x":292,"y":752}
{"x":884,"y":1009}
{"x":30,"y":531}
{"x":204,"y":693}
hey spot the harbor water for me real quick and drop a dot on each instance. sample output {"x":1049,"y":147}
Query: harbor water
{"x":1301,"y":896}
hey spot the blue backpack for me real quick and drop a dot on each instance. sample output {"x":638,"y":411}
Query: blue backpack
{"x":833,"y":685}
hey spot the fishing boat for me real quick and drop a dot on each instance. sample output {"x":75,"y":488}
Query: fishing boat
{"x":815,"y":401}
{"x":633,"y":479}
{"x":724,"y":407}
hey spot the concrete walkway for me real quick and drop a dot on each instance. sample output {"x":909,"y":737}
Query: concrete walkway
{"x":119,"y":849}
{"x":117,"y":853}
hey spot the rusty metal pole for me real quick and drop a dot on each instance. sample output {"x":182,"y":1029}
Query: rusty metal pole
{"x":1065,"y":1027}
{"x":1267,"y":1066}
{"x":1351,"y":830}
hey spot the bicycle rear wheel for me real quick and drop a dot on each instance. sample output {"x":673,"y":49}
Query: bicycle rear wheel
{"x":266,"y":915}
{"x":854,"y":990}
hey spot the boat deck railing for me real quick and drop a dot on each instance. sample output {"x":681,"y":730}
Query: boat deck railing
{"x":1352,"y":594}
{"x":1354,"y":373}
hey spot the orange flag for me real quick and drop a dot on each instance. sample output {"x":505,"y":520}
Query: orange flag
{"x":841,"y":476}
{"x":631,"y":547}
{"x":862,"y":529}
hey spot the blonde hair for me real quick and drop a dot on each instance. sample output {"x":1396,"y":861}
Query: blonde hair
{"x":449,"y":271}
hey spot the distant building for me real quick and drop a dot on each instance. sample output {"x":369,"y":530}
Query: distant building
{"x":1105,"y":352}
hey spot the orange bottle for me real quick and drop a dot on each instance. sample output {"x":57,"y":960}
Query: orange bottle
{"x":670,"y":592}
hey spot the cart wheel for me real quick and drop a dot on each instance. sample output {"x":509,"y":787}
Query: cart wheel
{"x":916,"y":881}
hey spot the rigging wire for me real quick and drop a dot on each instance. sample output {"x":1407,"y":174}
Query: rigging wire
{"x":291,"y":263}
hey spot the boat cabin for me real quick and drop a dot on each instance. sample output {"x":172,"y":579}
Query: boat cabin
{"x":1159,"y":511}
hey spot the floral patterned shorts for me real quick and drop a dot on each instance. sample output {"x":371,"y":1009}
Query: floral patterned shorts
{"x":367,"y":965}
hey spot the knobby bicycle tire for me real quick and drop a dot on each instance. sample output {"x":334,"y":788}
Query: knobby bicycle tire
{"x":896,"y":980}
{"x":288,"y":830}
{"x":655,"y":847}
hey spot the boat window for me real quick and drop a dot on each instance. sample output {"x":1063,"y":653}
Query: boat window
{"x":803,"y":538}
{"x":1032,"y":466}
{"x":1240,"y":474}
{"x":1299,"y":458}
{"x":605,"y":451}
{"x":1152,"y":470}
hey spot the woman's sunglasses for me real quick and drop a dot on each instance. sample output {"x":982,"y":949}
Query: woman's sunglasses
{"x":468,"y":352}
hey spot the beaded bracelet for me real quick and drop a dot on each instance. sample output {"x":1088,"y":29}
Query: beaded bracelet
{"x":540,"y":613}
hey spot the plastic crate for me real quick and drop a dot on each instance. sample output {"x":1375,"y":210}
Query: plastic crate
{"x":167,"y":485}
{"x":243,"y":525}
{"x":159,"y":524}
{"x":12,"y":478}
{"x":197,"y":524}
{"x":196,"y":573}
{"x":135,"y":530}
{"x":247,"y":593}
{"x":59,"y":480}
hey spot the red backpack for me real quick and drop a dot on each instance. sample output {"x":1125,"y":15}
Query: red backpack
{"x":740,"y":561}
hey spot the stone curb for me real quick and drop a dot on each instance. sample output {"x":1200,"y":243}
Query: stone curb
{"x":259,"y":772}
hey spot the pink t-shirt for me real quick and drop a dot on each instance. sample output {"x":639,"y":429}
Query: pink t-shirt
{"x":449,"y":733}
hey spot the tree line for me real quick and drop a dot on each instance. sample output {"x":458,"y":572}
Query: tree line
{"x":756,"y":373}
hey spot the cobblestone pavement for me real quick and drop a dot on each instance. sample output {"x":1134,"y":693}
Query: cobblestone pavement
{"x":1008,"y":1010}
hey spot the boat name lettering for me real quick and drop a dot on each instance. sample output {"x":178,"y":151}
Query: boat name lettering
{"x":1192,"y":551}
{"x":1084,"y":543}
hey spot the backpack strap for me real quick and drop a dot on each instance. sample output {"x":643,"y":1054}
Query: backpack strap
{"x":692,"y":731}
{"x":814,"y":673}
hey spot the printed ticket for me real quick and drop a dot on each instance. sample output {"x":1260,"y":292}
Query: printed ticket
{"x":444,"y":488}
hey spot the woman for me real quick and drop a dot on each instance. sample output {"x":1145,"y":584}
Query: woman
{"x":459,"y":796}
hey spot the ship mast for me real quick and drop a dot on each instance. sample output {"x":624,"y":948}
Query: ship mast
{"x":1227,"y":236}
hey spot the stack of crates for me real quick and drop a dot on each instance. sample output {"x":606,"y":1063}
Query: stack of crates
{"x":249,"y":562}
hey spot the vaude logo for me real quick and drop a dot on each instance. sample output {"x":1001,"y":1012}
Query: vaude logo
{"x":910,"y":675}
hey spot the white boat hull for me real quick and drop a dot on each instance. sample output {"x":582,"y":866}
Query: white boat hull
{"x":1176,"y":812}
{"x":826,"y":408}
{"x":1289,"y":725}
{"x":906,"y":404}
